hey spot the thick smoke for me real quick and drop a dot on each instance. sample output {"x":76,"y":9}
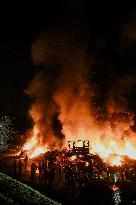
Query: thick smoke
{"x":62,"y":91}
{"x":66,"y":104}
{"x":43,"y":109}
{"x":73,"y":96}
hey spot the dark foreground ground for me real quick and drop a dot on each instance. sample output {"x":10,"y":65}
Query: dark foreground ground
{"x":96,"y":192}
{"x":15,"y":192}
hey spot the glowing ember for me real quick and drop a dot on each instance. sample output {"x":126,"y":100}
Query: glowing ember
{"x":37,"y":171}
{"x":73,"y":157}
{"x":87,"y":164}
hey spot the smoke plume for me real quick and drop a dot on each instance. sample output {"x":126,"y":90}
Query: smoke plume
{"x":67,"y":105}
{"x":63,"y":90}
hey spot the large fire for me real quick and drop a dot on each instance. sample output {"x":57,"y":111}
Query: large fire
{"x":112,"y":145}
{"x":71,"y":103}
{"x":112,"y":139}
{"x":112,"y":152}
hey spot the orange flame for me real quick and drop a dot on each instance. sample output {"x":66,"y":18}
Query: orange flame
{"x":115,"y":160}
{"x":112,"y":144}
{"x":33,"y":146}
{"x":113,"y":152}
{"x":38,"y":151}
{"x":30,"y":143}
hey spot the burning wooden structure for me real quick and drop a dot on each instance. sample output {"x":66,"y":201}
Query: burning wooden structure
{"x":76,"y":166}
{"x":78,"y":147}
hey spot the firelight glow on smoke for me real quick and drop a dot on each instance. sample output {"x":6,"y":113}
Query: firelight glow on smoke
{"x":105,"y":141}
{"x":65,"y":101}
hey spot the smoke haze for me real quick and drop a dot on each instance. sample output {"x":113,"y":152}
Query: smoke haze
{"x":79,"y":94}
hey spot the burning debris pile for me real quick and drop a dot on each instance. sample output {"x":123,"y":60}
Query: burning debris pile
{"x":78,"y":164}
{"x":69,"y":103}
{"x":112,"y":152}
{"x":64,"y":106}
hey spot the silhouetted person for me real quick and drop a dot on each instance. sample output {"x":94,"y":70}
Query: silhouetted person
{"x":15,"y":168}
{"x":0,"y":163}
{"x":20,"y":166}
{"x":33,"y":172}
{"x":60,"y":170}
{"x":26,"y":160}
{"x":40,"y":172}
{"x":45,"y":175}
{"x":51,"y":174}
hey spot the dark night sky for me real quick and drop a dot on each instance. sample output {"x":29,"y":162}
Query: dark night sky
{"x":16,"y":36}
{"x":18,"y":32}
